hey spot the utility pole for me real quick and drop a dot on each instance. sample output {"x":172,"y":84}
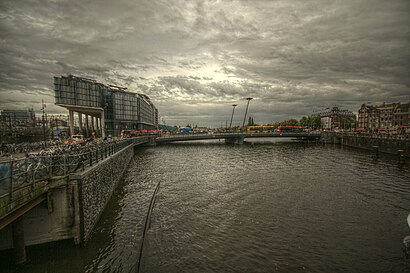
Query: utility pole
{"x":233,"y":111}
{"x":246,"y":111}
{"x":43,"y":107}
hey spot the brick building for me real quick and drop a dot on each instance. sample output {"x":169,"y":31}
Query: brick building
{"x":384,"y":116}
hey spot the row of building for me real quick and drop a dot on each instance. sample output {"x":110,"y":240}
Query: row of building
{"x":16,"y":117}
{"x":387,"y":116}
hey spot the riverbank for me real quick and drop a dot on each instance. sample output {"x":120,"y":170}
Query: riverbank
{"x":383,"y":143}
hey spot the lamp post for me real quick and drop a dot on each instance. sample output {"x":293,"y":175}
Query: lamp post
{"x":233,"y":110}
{"x":43,"y":107}
{"x":246,"y":111}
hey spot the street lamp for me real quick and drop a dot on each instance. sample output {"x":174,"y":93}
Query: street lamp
{"x":43,"y":107}
{"x":233,"y":110}
{"x":246,"y":111}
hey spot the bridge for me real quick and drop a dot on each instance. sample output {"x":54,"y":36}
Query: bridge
{"x":237,"y":137}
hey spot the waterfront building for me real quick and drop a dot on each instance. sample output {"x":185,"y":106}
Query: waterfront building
{"x":104,"y":109}
{"x":336,"y":118}
{"x":368,"y":117}
{"x":386,"y":114}
{"x":383,"y":117}
{"x":401,"y":116}
{"x":363,"y":116}
{"x":326,"y":122}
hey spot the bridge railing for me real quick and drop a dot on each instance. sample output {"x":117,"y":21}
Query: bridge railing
{"x":230,"y":133}
{"x":20,"y":173}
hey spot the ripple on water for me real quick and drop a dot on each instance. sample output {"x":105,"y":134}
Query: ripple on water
{"x":282,"y":207}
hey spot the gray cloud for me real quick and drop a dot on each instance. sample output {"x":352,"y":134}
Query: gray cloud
{"x":194,"y":59}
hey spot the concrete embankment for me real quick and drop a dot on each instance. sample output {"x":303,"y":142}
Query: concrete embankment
{"x":69,"y":206}
{"x":94,"y":188}
{"x":391,"y":144}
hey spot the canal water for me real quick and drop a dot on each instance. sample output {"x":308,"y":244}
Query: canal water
{"x":270,"y":206}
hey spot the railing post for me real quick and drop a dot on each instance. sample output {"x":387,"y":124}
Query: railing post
{"x":51,"y":165}
{"x":65,"y":164}
{"x":11,"y":180}
{"x":91,"y":158}
{"x":96,"y":154}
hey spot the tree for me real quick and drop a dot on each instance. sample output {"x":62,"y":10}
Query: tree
{"x":290,"y":122}
{"x":251,"y":121}
{"x":316,"y":121}
{"x":304,"y":121}
{"x":310,"y":121}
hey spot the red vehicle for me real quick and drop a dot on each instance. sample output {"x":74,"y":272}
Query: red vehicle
{"x":290,"y":129}
{"x":135,"y":133}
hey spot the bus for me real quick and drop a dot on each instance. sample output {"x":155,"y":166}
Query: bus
{"x":259,"y":128}
{"x":290,"y":129}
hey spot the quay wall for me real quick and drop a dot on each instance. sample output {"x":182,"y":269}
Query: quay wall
{"x":385,"y":145}
{"x":51,"y":220}
{"x":94,"y":189}
{"x":330,"y":138}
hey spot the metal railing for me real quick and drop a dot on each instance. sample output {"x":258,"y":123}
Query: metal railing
{"x":233,"y":134}
{"x":19,"y":173}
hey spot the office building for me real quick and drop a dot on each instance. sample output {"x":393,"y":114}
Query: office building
{"x":104,"y":109}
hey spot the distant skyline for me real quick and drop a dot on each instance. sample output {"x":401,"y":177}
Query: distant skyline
{"x":194,"y":59}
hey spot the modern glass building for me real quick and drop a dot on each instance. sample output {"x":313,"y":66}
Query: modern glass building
{"x":104,"y":109}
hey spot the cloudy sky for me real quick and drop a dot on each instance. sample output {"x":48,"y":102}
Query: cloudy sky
{"x":195,"y":59}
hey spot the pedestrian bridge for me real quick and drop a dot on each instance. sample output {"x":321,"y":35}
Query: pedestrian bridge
{"x":238,"y":138}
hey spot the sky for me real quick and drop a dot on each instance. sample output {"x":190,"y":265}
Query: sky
{"x":194,"y":59}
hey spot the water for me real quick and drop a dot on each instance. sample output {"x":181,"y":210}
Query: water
{"x":284,"y":207}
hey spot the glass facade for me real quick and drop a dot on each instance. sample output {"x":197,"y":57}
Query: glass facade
{"x":122,"y":109}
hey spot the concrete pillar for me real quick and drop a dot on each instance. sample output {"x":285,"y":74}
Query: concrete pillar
{"x":19,"y":248}
{"x":71,"y":117}
{"x":402,"y":159}
{"x":376,"y":150}
{"x":92,"y":124}
{"x":238,"y":140}
{"x":97,"y":126}
{"x":80,"y":122}
{"x":102,"y":123}
{"x":86,"y":126}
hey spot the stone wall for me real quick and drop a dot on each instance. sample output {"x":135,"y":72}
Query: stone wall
{"x":330,"y":138}
{"x":95,"y":187}
{"x":385,"y":145}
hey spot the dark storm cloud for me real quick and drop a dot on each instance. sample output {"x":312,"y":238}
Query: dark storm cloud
{"x":195,"y":58}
